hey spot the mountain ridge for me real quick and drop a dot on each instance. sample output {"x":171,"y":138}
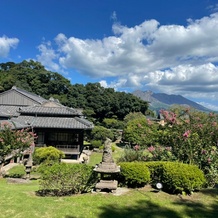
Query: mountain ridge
{"x":159,"y":101}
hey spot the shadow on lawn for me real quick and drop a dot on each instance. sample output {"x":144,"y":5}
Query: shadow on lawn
{"x":213,"y":192}
{"x":199,"y":210}
{"x":147,"y":209}
{"x":143,"y":209}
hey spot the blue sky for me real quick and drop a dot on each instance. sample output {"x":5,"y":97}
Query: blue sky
{"x":168,"y":46}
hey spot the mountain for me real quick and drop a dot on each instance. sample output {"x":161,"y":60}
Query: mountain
{"x":159,"y":101}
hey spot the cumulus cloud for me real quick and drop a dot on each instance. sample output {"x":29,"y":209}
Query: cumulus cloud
{"x":179,"y":59}
{"x":208,"y":105}
{"x":47,"y":56}
{"x":6,"y":44}
{"x":213,"y":8}
{"x":142,"y":49}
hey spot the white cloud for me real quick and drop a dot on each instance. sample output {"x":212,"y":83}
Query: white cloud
{"x":6,"y":44}
{"x":103,"y":83}
{"x":209,"y":106}
{"x":213,"y":8}
{"x":47,"y":56}
{"x":166,"y":58}
{"x":141,"y":49}
{"x":114,"y":16}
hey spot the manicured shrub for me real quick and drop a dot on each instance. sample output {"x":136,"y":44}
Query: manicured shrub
{"x":156,"y":170}
{"x":96,"y":143}
{"x":62,"y":179}
{"x":47,"y":154}
{"x":134,"y":174}
{"x":177,"y":177}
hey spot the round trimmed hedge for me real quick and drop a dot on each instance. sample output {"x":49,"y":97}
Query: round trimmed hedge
{"x":177,"y":177}
{"x":134,"y":174}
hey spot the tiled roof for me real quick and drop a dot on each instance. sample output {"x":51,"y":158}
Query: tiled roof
{"x":53,"y":122}
{"x":14,"y":124}
{"x":8,"y":111}
{"x":30,"y":95}
{"x":49,"y":110}
{"x":49,"y":114}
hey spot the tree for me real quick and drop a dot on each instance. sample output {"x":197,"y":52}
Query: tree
{"x":97,"y":101}
{"x":139,"y":131}
{"x":13,"y":141}
{"x":133,"y":116}
{"x":112,"y":123}
{"x":101,"y":133}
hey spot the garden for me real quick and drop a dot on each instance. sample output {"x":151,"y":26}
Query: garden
{"x":180,"y":154}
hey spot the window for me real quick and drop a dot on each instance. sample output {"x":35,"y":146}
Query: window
{"x":63,"y":138}
{"x":40,"y":138}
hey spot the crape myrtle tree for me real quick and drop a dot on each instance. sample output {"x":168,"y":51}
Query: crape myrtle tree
{"x":13,"y":142}
{"x":140,"y":131}
{"x":187,"y":135}
{"x":193,"y":138}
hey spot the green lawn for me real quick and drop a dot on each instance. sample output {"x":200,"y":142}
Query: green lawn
{"x":19,"y":200}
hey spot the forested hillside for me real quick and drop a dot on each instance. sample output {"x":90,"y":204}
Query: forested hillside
{"x":98,"y":102}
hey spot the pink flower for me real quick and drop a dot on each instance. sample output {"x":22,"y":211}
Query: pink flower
{"x":136,"y":147}
{"x":203,"y":152}
{"x":214,"y":123}
{"x":211,"y":114}
{"x":200,"y":125}
{"x":168,"y":148}
{"x":151,"y":148}
{"x":149,"y":122}
{"x":186,"y":134}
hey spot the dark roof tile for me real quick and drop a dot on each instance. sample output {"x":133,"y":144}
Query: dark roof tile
{"x":8,"y":111}
{"x":53,"y":122}
{"x":49,"y":110}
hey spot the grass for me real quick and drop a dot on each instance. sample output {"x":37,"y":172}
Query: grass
{"x":95,"y":158}
{"x":17,"y":171}
{"x":19,"y":200}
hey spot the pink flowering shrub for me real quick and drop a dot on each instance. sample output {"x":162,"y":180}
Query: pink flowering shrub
{"x":193,"y":137}
{"x":159,"y":153}
{"x":14,"y":141}
{"x":186,"y":136}
{"x":139,"y":131}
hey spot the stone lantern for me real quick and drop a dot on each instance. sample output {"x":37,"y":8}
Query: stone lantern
{"x":28,"y":170}
{"x":108,"y":170}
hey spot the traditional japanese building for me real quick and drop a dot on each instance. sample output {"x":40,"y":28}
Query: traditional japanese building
{"x":55,"y":125}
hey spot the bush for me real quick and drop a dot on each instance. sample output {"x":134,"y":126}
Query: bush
{"x":177,"y":177}
{"x":47,"y":154}
{"x":16,"y":172}
{"x":96,"y":143}
{"x":62,"y":179}
{"x":101,"y":133}
{"x":131,"y":155}
{"x":134,"y":174}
